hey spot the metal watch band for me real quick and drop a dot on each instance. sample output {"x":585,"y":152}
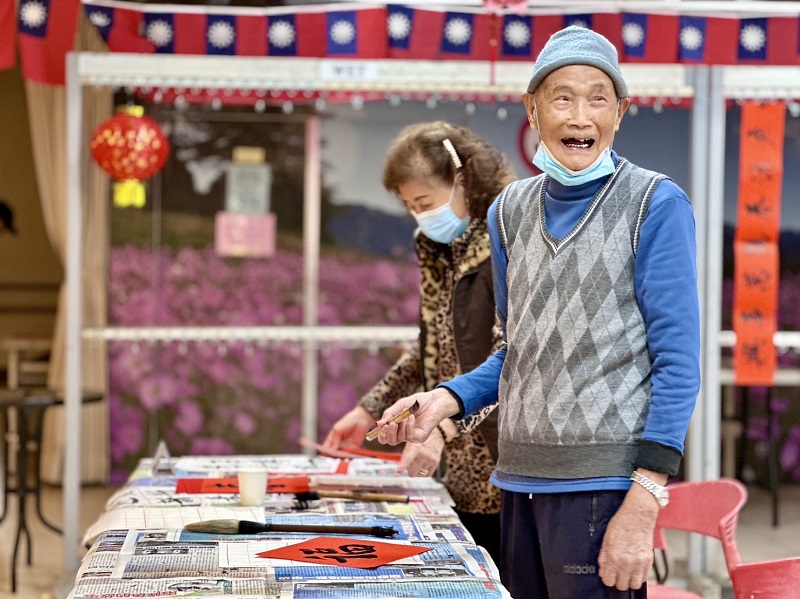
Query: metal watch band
{"x":659,"y":492}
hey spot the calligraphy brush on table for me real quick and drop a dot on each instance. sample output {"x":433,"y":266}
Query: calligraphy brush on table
{"x":303,"y":499}
{"x":246,"y":527}
{"x":412,"y":409}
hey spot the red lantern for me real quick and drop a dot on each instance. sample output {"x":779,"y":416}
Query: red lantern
{"x":130,"y":147}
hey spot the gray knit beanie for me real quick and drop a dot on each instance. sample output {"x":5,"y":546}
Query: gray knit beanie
{"x":578,"y":45}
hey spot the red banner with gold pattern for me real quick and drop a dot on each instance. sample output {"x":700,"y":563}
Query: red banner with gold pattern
{"x":756,"y":258}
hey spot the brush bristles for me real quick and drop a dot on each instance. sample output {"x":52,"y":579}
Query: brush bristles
{"x":214,"y":527}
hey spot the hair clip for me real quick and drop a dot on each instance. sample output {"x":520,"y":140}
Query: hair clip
{"x":448,"y":145}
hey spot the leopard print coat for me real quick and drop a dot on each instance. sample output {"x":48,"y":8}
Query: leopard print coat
{"x":453,"y":341}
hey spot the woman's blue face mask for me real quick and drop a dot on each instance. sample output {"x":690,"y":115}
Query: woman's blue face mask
{"x":442,"y":224}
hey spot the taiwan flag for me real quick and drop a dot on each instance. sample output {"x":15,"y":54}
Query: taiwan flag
{"x":228,"y":35}
{"x":466,"y":36}
{"x":707,"y":40}
{"x":413,"y":33}
{"x":120,"y":28}
{"x":516,"y":37}
{"x":649,"y":38}
{"x":298,"y":34}
{"x":768,"y":41}
{"x":356,"y":33}
{"x":46,"y":34}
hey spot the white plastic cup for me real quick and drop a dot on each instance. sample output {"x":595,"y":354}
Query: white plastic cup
{"x":252,"y":485}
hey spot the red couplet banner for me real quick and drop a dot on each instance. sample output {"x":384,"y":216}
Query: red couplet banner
{"x":756,"y":258}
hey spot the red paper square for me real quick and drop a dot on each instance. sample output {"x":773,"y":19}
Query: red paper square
{"x":346,"y":552}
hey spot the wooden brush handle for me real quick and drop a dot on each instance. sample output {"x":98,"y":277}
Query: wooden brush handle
{"x":357,"y":496}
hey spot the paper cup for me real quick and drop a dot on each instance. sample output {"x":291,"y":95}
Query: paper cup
{"x":252,"y":485}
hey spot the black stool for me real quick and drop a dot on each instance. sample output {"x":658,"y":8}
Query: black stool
{"x":30,"y":406}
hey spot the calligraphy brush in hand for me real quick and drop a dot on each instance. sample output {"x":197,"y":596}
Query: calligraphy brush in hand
{"x":412,"y":409}
{"x":246,"y":527}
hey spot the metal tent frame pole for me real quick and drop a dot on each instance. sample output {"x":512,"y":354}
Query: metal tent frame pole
{"x":312,"y":195}
{"x":707,"y":193}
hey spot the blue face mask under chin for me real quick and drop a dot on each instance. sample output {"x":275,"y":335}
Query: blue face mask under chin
{"x":602,"y":167}
{"x":441,"y":224}
{"x":547,"y":163}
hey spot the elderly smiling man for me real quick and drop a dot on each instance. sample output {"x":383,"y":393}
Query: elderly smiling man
{"x":595,"y":282}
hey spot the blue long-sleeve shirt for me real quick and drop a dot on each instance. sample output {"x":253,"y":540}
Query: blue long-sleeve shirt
{"x":665,"y":281}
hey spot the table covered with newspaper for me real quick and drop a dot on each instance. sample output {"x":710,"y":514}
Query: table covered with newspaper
{"x":138,"y":547}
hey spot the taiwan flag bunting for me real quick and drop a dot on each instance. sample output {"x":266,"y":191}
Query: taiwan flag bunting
{"x":229,"y":35}
{"x":649,"y":38}
{"x":707,"y":40}
{"x":120,"y":28}
{"x":8,"y":35}
{"x":466,"y":36}
{"x":301,"y":34}
{"x":412,"y":31}
{"x":356,"y":33}
{"x":46,"y":34}
{"x":516,"y":37}
{"x":767,"y":41}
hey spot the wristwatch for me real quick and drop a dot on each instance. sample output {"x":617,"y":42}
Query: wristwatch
{"x":660,"y":493}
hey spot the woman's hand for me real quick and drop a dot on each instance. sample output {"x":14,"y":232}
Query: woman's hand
{"x":422,"y":459}
{"x":349,"y":430}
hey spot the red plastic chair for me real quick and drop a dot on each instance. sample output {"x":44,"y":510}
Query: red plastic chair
{"x":709,"y":508}
{"x":776,"y":579}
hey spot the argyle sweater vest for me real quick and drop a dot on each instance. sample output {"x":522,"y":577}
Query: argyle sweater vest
{"x":575,"y":384}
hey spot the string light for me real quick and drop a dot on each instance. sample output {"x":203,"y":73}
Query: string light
{"x":357,"y":102}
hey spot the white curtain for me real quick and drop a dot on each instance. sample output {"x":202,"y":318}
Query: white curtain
{"x":47,"y":116}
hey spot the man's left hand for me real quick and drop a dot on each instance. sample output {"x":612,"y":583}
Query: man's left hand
{"x":626,"y":556}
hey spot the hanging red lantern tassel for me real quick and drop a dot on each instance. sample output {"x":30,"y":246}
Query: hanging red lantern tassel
{"x":130,"y":147}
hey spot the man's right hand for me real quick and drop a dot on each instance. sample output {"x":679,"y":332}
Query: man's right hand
{"x":434,"y":406}
{"x":349,"y":430}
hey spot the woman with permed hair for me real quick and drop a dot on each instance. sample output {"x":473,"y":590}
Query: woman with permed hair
{"x":447,"y":177}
